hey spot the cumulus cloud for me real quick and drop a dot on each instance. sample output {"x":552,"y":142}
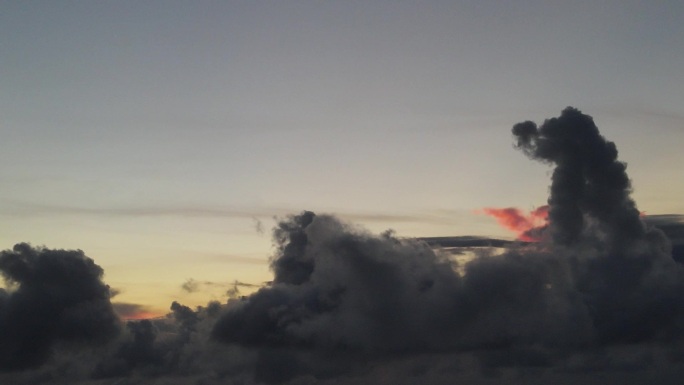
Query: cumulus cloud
{"x":599,"y":293}
{"x":588,"y":182}
{"x":603,"y":278}
{"x":55,"y":296}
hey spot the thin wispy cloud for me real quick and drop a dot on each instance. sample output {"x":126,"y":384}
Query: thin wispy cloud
{"x":14,"y":208}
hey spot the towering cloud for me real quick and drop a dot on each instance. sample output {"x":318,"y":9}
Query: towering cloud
{"x":54,"y":296}
{"x":625,"y":270}
{"x":588,"y":181}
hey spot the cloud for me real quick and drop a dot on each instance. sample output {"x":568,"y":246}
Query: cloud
{"x":673,"y":227}
{"x":465,"y":241}
{"x":232,"y":288}
{"x":162,"y":347}
{"x":671,"y":224}
{"x":56,"y":296}
{"x":599,"y":298}
{"x":588,"y":182}
{"x":602,"y":278}
{"x":339,"y":288}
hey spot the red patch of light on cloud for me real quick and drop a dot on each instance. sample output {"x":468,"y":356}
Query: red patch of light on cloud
{"x":518,"y":221}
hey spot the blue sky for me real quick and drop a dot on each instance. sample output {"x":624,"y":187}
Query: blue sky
{"x":160,"y":136}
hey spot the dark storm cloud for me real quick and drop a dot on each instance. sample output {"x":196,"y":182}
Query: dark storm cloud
{"x":603,"y":278}
{"x":600,"y":299}
{"x":55,"y":296}
{"x":337,"y":287}
{"x":628,"y":277}
{"x":587,"y":179}
{"x":671,"y":224}
{"x":138,"y":350}
{"x":466,"y":241}
{"x":673,"y":227}
{"x":169,"y":347}
{"x":113,"y":292}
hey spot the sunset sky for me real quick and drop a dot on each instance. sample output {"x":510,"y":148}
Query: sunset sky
{"x":163,"y":137}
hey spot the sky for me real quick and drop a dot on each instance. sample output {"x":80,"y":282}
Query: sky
{"x":178,"y":144}
{"x":166,"y":139}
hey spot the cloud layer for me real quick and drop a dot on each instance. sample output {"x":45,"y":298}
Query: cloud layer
{"x":601,"y":292}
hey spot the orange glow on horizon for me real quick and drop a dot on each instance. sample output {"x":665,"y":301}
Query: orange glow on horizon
{"x":142,"y":315}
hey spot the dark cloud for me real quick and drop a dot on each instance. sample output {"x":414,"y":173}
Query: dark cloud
{"x":56,"y":296}
{"x":113,"y":292}
{"x":341,"y":288}
{"x":466,"y":241}
{"x":174,"y":346}
{"x":673,"y":227}
{"x":384,"y":295}
{"x":136,"y":351}
{"x":603,"y":278}
{"x":630,"y":283}
{"x":599,"y":299}
{"x":671,"y":224}
{"x":587,"y":180}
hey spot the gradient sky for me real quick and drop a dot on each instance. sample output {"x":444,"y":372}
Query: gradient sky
{"x":162,"y":137}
